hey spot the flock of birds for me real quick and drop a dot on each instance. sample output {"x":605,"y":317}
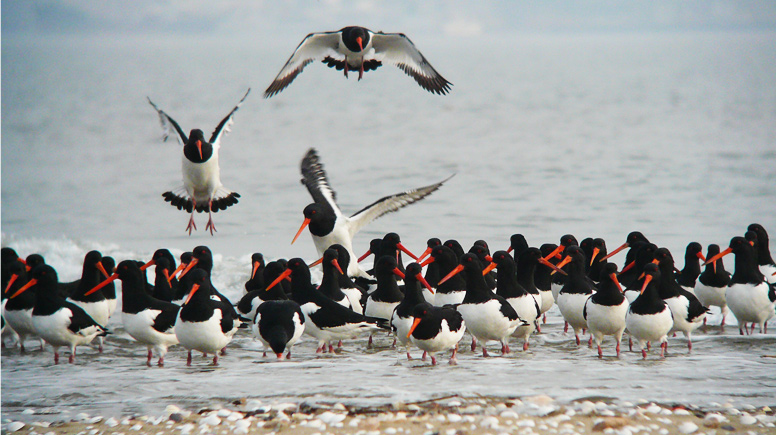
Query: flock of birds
{"x":429,"y":303}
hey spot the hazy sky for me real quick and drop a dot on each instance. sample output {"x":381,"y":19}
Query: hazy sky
{"x":245,"y":18}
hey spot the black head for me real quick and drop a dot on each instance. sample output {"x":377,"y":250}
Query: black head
{"x":443,"y":253}
{"x":433,"y":242}
{"x":355,"y":38}
{"x":455,"y":246}
{"x":92,"y":258}
{"x":576,"y":253}
{"x":343,"y":257}
{"x":421,"y":310}
{"x":412,"y":269}
{"x":392,"y":239}
{"x":200,"y":277}
{"x":128,"y":269}
{"x":34,"y":260}
{"x":166,"y":254}
{"x":8,"y":255}
{"x":197,"y":150}
{"x":587,"y":244}
{"x":273,"y":270}
{"x":752,"y":237}
{"x":204,"y":258}
{"x":385,"y":265}
{"x":740,"y":245}
{"x":646,"y":252}
{"x":46,"y":277}
{"x":531,"y":255}
{"x":258,"y":258}
{"x":471,"y":263}
{"x":518,"y":243}
{"x":480,"y":250}
{"x":759,"y":230}
{"x":664,"y":258}
{"x":712,"y":250}
{"x":547,"y":248}
{"x":693,"y":249}
{"x":653,"y":270}
{"x":568,"y":240}
{"x":16,"y":268}
{"x":608,"y":269}
{"x":298,"y":266}
{"x":502,"y":257}
{"x":635,"y":236}
{"x":162,"y":264}
{"x":330,"y":256}
{"x":186,"y":257}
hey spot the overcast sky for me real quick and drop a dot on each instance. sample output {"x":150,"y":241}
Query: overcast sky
{"x":246,"y":18}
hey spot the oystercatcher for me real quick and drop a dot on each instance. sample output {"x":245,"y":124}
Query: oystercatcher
{"x":764,"y":259}
{"x":576,"y":291}
{"x":330,"y":283}
{"x":204,"y":323}
{"x":713,"y":282}
{"x":436,"y":329}
{"x":543,"y":279}
{"x":649,"y":318}
{"x":355,"y":292}
{"x":325,"y":219}
{"x":531,"y":266}
{"x":355,"y":48}
{"x":693,"y":256}
{"x":402,"y":316}
{"x":109,"y":291}
{"x":18,"y":311}
{"x":162,"y":286}
{"x":202,"y":190}
{"x":559,"y":279}
{"x":381,"y":302}
{"x":633,"y":271}
{"x":93,"y":302}
{"x":256,"y":281}
{"x":325,"y":320}
{"x":251,"y":301}
{"x":453,"y":290}
{"x":488,"y":316}
{"x":526,"y":305}
{"x":605,"y":311}
{"x":749,"y":296}
{"x":57,"y":321}
{"x":278,"y":325}
{"x":481,"y":250}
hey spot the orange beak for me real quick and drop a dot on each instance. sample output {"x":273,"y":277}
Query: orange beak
{"x":718,"y":256}
{"x":176,"y":271}
{"x":487,"y":269}
{"x":199,"y":147}
{"x":509,"y":250}
{"x":452,"y":273}
{"x":406,"y":251}
{"x":366,"y":254}
{"x":147,"y":265}
{"x":425,"y":283}
{"x":398,"y":272}
{"x":552,"y":266}
{"x":613,"y":276}
{"x":256,"y":265}
{"x":304,"y":225}
{"x":428,"y":261}
{"x":101,"y":268}
{"x":595,"y":254}
{"x":102,"y":284}
{"x":616,"y":251}
{"x":423,"y":255}
{"x":557,"y":251}
{"x":565,"y":261}
{"x":10,"y":282}
{"x":194,"y":289}
{"x":316,"y":262}
{"x":286,"y":273}
{"x":414,"y":325}
{"x":628,"y":266}
{"x":190,"y":266}
{"x":360,"y":43}
{"x":701,"y":256}
{"x":647,"y":279}
{"x":336,"y":265}
{"x":24,"y":288}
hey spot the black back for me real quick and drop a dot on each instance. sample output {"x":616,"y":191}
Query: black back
{"x":431,"y":320}
{"x":276,"y":322}
{"x":413,"y":294}
{"x":692,"y":265}
{"x":577,"y":281}
{"x":527,"y":266}
{"x":649,"y":301}
{"x":387,"y":287}
{"x":477,"y":290}
{"x":608,"y":293}
{"x":134,"y":298}
{"x":447,"y":261}
{"x":714,"y":275}
{"x":256,"y":280}
{"x":90,"y":278}
{"x":203,"y":304}
{"x":330,"y":283}
{"x":763,"y":250}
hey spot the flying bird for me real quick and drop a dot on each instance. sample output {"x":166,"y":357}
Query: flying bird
{"x":359,"y":49}
{"x":202,"y":190}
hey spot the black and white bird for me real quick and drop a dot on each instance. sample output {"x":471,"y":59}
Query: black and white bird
{"x":713,"y":282}
{"x":251,"y":301}
{"x":687,"y":310}
{"x":325,"y":320}
{"x":749,"y":296}
{"x":526,"y":305}
{"x":765,"y":261}
{"x":488,"y":316}
{"x":17,"y":311}
{"x":202,"y":190}
{"x":57,"y":321}
{"x":328,"y":225}
{"x":278,"y":325}
{"x":452,"y":290}
{"x":203,"y":322}
{"x":256,"y":280}
{"x":93,"y":302}
{"x":605,"y":311}
{"x":330,"y":283}
{"x":148,"y":320}
{"x":109,"y":291}
{"x":649,"y":319}
{"x":576,"y":291}
{"x":359,"y":49}
{"x":402,"y":316}
{"x":693,"y":256}
{"x":436,"y":329}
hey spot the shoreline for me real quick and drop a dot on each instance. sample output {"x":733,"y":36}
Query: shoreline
{"x":448,"y":415}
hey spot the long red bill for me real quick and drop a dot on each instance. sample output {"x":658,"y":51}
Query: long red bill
{"x":613,"y":276}
{"x":398,"y":272}
{"x":701,"y":256}
{"x":552,"y":266}
{"x":425,"y":283}
{"x":414,"y":325}
{"x":194,"y":289}
{"x":199,"y":148}
{"x":452,"y":273}
{"x":101,"y":268}
{"x":488,"y":268}
{"x":336,"y":265}
{"x":109,"y":280}
{"x":718,"y":256}
{"x":595,"y":254}
{"x":423,"y":255}
{"x":616,"y":251}
{"x":10,"y":282}
{"x":557,"y":251}
{"x":510,"y":249}
{"x":628,"y":266}
{"x":24,"y":288}
{"x":647,"y":279}
{"x":316,"y":262}
{"x":189,"y":266}
{"x":176,"y":271}
{"x":305,"y":223}
{"x":366,"y":254}
{"x":406,"y":251}
{"x":147,"y":265}
{"x":564,"y":262}
{"x":428,"y":261}
{"x":286,"y":273}
{"x":256,"y":265}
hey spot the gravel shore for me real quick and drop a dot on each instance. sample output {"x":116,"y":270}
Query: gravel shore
{"x":446,"y":416}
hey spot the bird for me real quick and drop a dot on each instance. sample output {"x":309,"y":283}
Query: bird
{"x":381,"y":303}
{"x":526,"y":305}
{"x":649,"y":318}
{"x":693,"y":256}
{"x":330,"y":283}
{"x":355,"y":48}
{"x":749,"y":296}
{"x":559,"y":280}
{"x":436,"y":329}
{"x":93,"y":302}
{"x":355,"y":292}
{"x":764,"y":259}
{"x":596,"y":267}
{"x":575,"y":292}
{"x":148,"y":320}
{"x":402,"y":316}
{"x":109,"y":291}
{"x":633,"y":237}
{"x":202,"y":190}
{"x":488,"y":316}
{"x":713,"y":282}
{"x":453,"y":290}
{"x":163,"y":290}
{"x":605,"y":310}
{"x":528,"y":274}
{"x":481,"y":250}
{"x":256,"y":280}
{"x":632,"y":273}
{"x":17,"y":311}
{"x":8,"y":256}
{"x":203,"y":322}
{"x":325,"y":320}
{"x":57,"y":321}
{"x":543,"y":279}
{"x":251,"y":301}
{"x":328,"y":225}
{"x":180,"y":292}
{"x":517,"y":245}
{"x":278,"y":325}
{"x":687,"y":310}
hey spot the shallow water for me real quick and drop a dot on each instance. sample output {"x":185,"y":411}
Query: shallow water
{"x":669,"y":134}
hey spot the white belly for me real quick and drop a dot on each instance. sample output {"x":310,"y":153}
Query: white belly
{"x":678,"y":306}
{"x":201,"y":180}
{"x":571,"y":306}
{"x":402,"y":326}
{"x":445,"y":340}
{"x":381,"y":310}
{"x":525,"y":307}
{"x":20,"y":321}
{"x":606,"y":320}
{"x":710,"y":295}
{"x":650,"y":327}
{"x":53,"y":330}
{"x":98,"y":311}
{"x":202,"y":336}
{"x":750,"y":304}
{"x":547,"y":300}
{"x":442,"y":299}
{"x":485,"y":321}
{"x":139,"y":326}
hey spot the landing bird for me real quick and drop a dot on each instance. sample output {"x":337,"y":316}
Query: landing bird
{"x":328,"y":225}
{"x":359,"y":49}
{"x":202,"y":190}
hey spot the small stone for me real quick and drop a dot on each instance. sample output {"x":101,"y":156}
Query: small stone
{"x":390,"y":431}
{"x":171,"y":409}
{"x":223,"y":413}
{"x":177,"y":417}
{"x":681,"y":411}
{"x":508,"y":414}
{"x":748,"y":420}
{"x":525,"y":423}
{"x":331,"y":418}
{"x":95,"y":420}
{"x":186,"y":428}
{"x":28,"y":411}
{"x":610,"y":423}
{"x":80,"y":417}
{"x":687,"y":427}
{"x":136,"y":427}
{"x":111,"y":422}
{"x":653,"y":409}
{"x":339,"y":407}
{"x":454,"y":418}
{"x":211,"y":420}
{"x":14,"y":426}
{"x":728,"y":427}
{"x":489,"y":422}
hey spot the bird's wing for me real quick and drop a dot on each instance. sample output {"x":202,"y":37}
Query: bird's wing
{"x":225,"y":125}
{"x":168,"y":125}
{"x":390,"y":204}
{"x":397,"y":49}
{"x":314,"y":178}
{"x":313,"y":47}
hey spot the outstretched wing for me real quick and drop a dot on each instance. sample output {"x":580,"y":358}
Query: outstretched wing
{"x":313,"y":47}
{"x":397,"y":49}
{"x":314,"y":178}
{"x":225,"y":124}
{"x":169,"y":124}
{"x":390,"y":204}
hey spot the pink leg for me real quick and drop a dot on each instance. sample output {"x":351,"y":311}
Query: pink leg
{"x":188,"y":360}
{"x":393,"y":345}
{"x":630,"y":344}
{"x":320,"y":348}
{"x":648,"y":345}
{"x":644,"y":353}
{"x":485,"y":352}
{"x":424,"y":355}
{"x":279,"y":355}
{"x":210,"y":225}
{"x":161,"y":361}
{"x":565,"y":327}
{"x":409,"y":357}
{"x":600,"y":352}
{"x":369,"y":343}
{"x":590,"y":342}
{"x":331,"y":348}
{"x":56,"y":357}
{"x":288,"y":355}
{"x":618,"y":348}
{"x":544,"y":318}
{"x":223,"y":351}
{"x":150,"y":355}
{"x":689,"y":344}
{"x":504,"y":348}
{"x":474,"y":344}
{"x":264,"y":354}
{"x":663,"y":348}
{"x":577,"y":337}
{"x":525,"y":346}
{"x":339,"y":345}
{"x":71,"y":359}
{"x":538,"y":328}
{"x":433,"y":360}
{"x":215,"y":359}
{"x":192,"y":225}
